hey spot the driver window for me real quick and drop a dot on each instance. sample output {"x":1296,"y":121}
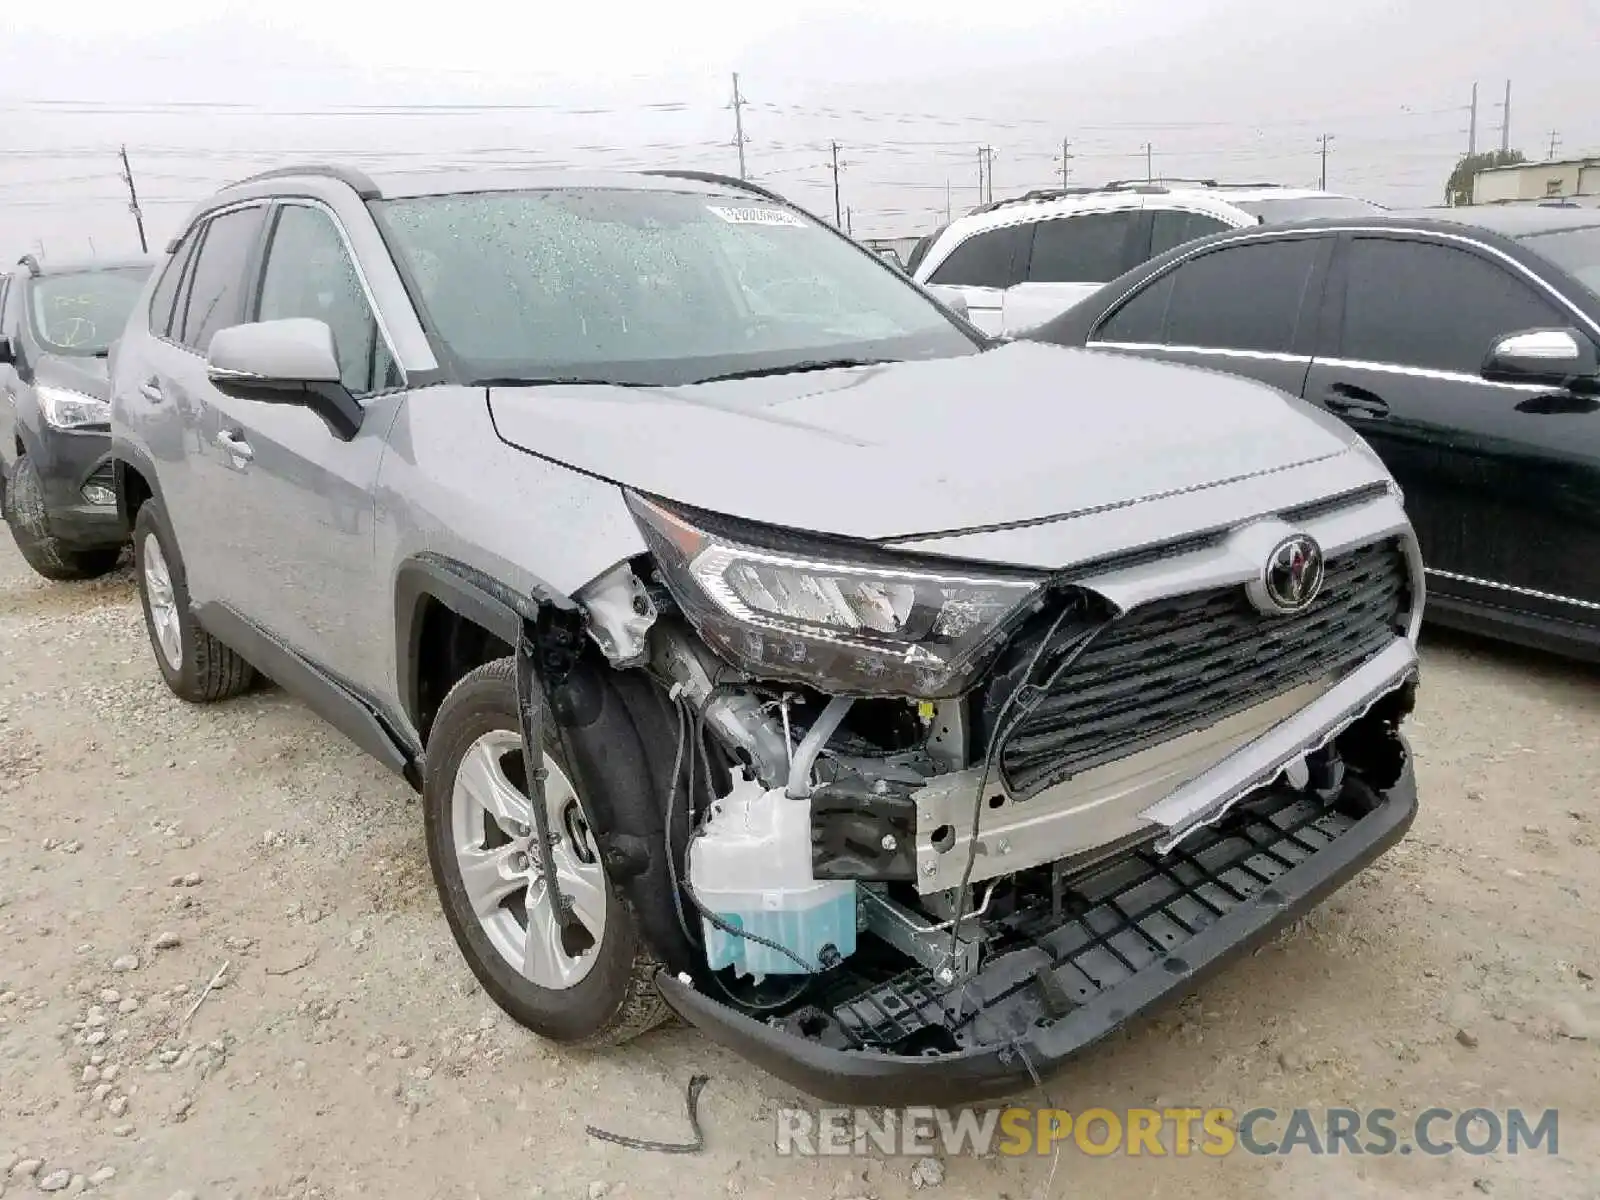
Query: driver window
{"x":308,"y":273}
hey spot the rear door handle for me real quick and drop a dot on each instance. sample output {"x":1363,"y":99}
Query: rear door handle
{"x":1347,"y":400}
{"x":151,"y":391}
{"x":236,"y":446}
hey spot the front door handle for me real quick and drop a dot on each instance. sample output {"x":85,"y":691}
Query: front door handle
{"x":1347,"y":400}
{"x":236,"y":446}
{"x":150,"y":389}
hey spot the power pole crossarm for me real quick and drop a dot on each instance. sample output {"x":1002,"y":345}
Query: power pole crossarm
{"x":133,"y":200}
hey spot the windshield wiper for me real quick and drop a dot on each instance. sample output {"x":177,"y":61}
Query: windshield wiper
{"x":809,"y":364}
{"x":553,"y":381}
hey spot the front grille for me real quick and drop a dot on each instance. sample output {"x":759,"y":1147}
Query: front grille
{"x":1184,"y":663}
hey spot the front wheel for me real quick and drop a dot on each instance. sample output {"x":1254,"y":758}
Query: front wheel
{"x":30,"y":529}
{"x":586,"y":982}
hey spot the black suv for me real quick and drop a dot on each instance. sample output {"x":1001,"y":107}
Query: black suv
{"x":57,"y":324}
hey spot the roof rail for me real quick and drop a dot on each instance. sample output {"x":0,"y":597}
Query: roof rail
{"x":1037,"y":195}
{"x":358,"y":181}
{"x":32,"y":263}
{"x":743,"y":185}
{"x":1136,"y":184}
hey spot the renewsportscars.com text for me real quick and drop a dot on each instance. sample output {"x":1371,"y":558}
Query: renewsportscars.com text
{"x":1179,"y":1132}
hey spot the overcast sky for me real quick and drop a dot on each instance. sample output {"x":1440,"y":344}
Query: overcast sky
{"x":1240,"y":89}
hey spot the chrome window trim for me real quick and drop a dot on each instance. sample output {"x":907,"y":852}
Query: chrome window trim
{"x":1531,"y":593}
{"x":1220,"y":351}
{"x":361,"y":277}
{"x":1431,"y":373}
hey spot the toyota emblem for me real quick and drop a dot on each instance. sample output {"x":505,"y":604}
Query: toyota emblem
{"x":1293,"y":577}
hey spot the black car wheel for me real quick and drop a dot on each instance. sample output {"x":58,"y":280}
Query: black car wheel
{"x":586,"y":982}
{"x":30,"y":529}
{"x":196,"y":666}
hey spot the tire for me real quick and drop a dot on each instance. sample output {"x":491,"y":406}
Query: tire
{"x":197,"y":667}
{"x":615,"y":998}
{"x":30,"y":529}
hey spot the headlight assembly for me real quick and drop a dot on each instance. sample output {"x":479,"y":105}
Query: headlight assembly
{"x":71,"y":410}
{"x":861,"y":628}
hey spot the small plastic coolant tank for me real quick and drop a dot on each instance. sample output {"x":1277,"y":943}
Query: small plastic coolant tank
{"x":752,"y":867}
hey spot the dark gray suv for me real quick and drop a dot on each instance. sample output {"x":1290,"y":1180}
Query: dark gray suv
{"x":58,"y":322}
{"x":903,"y":709}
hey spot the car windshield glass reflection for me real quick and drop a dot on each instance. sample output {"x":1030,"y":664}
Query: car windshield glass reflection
{"x":648,"y":287}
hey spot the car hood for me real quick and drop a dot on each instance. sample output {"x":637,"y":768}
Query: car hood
{"x":1021,"y":432}
{"x":86,"y":374}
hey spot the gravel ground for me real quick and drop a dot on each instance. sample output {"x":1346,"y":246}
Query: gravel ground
{"x":346,"y":1050}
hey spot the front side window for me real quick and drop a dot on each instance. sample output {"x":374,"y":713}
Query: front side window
{"x":1576,"y":251}
{"x":82,"y":312}
{"x":650,"y":287}
{"x":308,"y":273}
{"x":1421,"y":304}
{"x":983,"y":260}
{"x":216,"y":278}
{"x":1092,"y":248}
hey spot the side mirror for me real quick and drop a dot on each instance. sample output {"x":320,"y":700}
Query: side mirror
{"x":1556,"y":357}
{"x":8,"y":353}
{"x":291,"y":361}
{"x":955,"y":302}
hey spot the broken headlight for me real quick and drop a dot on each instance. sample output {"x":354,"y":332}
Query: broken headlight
{"x":788,"y":610}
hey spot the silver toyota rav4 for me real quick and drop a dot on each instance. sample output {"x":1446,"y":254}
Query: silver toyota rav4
{"x":903,"y":709}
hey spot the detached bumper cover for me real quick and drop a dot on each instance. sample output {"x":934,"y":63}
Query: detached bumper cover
{"x":1145,"y":929}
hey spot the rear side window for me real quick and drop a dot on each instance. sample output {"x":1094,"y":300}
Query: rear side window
{"x":309,"y":273}
{"x":1169,"y":228}
{"x":166,"y":291}
{"x":1420,"y":304}
{"x":1092,"y":248}
{"x":215,"y":296}
{"x":983,"y":260}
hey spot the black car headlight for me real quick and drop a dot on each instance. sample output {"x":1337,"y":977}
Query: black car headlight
{"x":792,"y":611}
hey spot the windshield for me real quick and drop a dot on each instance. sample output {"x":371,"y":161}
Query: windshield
{"x":1576,"y":251}
{"x":1306,"y":208}
{"x":651,"y":287}
{"x":83,"y":312}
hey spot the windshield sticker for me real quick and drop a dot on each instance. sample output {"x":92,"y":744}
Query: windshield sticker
{"x":756,"y":216}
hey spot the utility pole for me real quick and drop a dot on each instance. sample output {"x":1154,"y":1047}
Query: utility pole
{"x":1149,"y":159}
{"x":1066,"y":158}
{"x":1324,"y":140}
{"x":838,"y":215}
{"x":1472,"y":128}
{"x":738,"y":122}
{"x":985,"y":174}
{"x":1555,"y":136}
{"x":947,"y":199}
{"x":133,"y":201}
{"x":849,"y":224}
{"x":1505,"y":120}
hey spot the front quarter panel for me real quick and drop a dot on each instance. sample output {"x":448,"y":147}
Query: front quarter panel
{"x":450,"y":489}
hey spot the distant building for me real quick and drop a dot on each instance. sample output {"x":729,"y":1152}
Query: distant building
{"x":1576,"y":179}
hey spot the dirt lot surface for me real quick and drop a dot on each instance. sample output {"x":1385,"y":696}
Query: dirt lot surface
{"x":348,"y":1052}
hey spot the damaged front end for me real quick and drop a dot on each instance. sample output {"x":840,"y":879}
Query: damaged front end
{"x":932,"y":830}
